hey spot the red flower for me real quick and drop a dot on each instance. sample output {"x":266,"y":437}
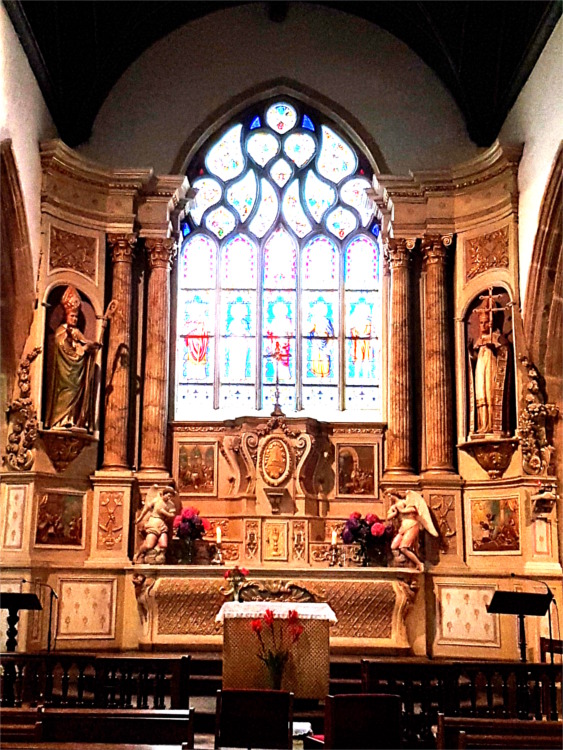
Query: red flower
{"x":296,"y":631}
{"x":269,"y":618}
{"x":355,"y":514}
{"x":378,"y":529}
{"x":206,"y":524}
{"x":371,"y":518}
{"x":292,"y":616}
{"x":244,"y":571}
{"x":189,"y":513}
{"x":227,"y":574}
{"x":177,"y":521}
{"x":256,"y":626}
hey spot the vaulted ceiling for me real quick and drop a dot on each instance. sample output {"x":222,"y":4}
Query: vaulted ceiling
{"x":482,"y":50}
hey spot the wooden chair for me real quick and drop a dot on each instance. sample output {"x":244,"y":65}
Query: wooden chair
{"x":450,"y":727}
{"x":118,"y":725}
{"x":361,"y":720}
{"x":550,"y":646}
{"x":254,"y":718}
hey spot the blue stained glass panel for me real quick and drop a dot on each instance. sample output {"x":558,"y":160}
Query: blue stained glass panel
{"x":281,"y":117}
{"x":225,"y":160}
{"x":238,"y":266}
{"x":362,"y":357}
{"x":242,"y":195}
{"x":238,"y":313}
{"x":293,"y":210}
{"x":262,"y":147}
{"x":353,"y":192}
{"x":256,"y":123}
{"x":280,"y":258}
{"x":318,"y":195}
{"x":237,"y":397}
{"x":375,"y":230}
{"x":195,"y":354}
{"x":320,"y":264}
{"x":267,"y":210}
{"x":341,"y":221}
{"x":319,"y":314}
{"x":185,"y":229}
{"x":220,"y":221}
{"x":364,"y":397}
{"x":237,"y":359}
{"x":279,"y":314}
{"x":320,"y":360}
{"x":322,"y":398}
{"x":307,"y":123}
{"x":361,"y":269}
{"x":193,"y":399}
{"x":198,"y":263}
{"x":278,"y":354}
{"x":300,"y":147}
{"x":336,"y":159}
{"x":286,"y":398}
{"x":209,"y":192}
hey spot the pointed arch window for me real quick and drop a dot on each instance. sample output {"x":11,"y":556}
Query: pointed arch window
{"x":279,"y":273}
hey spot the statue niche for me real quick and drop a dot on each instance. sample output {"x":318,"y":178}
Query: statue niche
{"x":490,"y":366}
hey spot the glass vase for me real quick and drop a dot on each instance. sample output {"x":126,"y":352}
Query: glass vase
{"x":275,"y":675}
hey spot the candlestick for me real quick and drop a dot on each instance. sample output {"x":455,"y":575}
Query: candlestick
{"x":334,"y":537}
{"x":218,"y":534}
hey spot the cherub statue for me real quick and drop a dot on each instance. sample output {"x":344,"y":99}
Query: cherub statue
{"x":156,"y":517}
{"x":414,"y":515}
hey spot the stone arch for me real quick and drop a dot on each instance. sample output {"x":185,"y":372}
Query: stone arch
{"x":274,"y":88}
{"x":16,"y":271}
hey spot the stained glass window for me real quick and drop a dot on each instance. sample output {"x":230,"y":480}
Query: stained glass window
{"x":279,"y":273}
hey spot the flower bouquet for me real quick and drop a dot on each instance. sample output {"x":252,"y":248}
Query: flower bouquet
{"x":236,"y":577}
{"x":371,"y":534}
{"x":188,"y":526}
{"x":275,"y":638}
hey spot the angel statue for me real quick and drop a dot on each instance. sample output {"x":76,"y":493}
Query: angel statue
{"x":414,"y":515}
{"x":155,"y":519}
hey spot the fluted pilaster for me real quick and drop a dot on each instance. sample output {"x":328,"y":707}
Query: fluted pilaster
{"x":437,"y":353}
{"x":119,"y":354}
{"x":160,"y":253}
{"x":399,"y":433}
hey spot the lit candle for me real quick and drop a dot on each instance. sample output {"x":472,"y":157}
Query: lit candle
{"x":218,"y":530}
{"x":334,"y":537}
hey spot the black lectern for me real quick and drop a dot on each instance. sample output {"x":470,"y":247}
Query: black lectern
{"x":13,"y":603}
{"x":521,"y":604}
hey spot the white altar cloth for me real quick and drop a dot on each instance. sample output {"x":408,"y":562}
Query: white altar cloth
{"x":307,"y":670}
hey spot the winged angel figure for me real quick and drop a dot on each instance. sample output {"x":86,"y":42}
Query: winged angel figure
{"x":414,"y":515}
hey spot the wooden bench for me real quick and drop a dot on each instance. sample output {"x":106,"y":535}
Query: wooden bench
{"x":119,"y":725}
{"x":450,"y":727}
{"x":516,"y":741}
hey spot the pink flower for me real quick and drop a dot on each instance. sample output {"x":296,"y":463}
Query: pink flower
{"x":378,"y":529}
{"x":176,"y":522}
{"x":256,"y":626}
{"x":371,"y":518}
{"x":189,"y":512}
{"x":269,"y":618}
{"x":356,"y":515}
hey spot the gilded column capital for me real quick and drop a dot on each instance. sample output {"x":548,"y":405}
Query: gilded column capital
{"x":161,"y":251}
{"x":398,"y":251}
{"x":435,"y":248}
{"x":122,"y":247}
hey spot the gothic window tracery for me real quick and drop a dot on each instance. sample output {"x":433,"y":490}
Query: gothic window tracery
{"x":279,"y":273}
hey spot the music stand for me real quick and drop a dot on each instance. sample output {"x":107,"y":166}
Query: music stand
{"x":13,"y":602}
{"x":520,"y":603}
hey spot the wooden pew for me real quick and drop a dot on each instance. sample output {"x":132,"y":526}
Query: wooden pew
{"x":19,"y":725}
{"x":508,"y":741}
{"x":119,"y":725}
{"x":450,"y":727}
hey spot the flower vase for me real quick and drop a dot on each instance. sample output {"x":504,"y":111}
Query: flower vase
{"x":275,"y":675}
{"x":187,"y":552}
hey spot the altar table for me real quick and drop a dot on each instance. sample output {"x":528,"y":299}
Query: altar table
{"x":306,"y":673}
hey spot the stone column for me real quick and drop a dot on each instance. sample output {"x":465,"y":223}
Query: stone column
{"x":437,"y":355}
{"x":160,"y":253}
{"x":119,"y":354}
{"x":399,"y":432}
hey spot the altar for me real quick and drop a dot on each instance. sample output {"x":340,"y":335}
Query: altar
{"x":306,"y":673}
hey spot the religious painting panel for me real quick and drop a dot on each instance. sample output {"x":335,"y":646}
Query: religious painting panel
{"x":275,"y":541}
{"x":60,"y":520}
{"x":195,"y":467}
{"x":495,"y":525}
{"x":463,"y":616}
{"x":356,"y":474}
